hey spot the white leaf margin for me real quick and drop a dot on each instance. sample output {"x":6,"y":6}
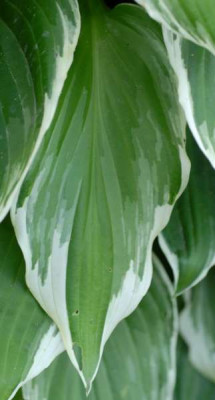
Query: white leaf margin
{"x":63,"y":64}
{"x":133,"y":288}
{"x":49,"y":348}
{"x":31,"y":391}
{"x":173,"y":44}
{"x":174,"y":262}
{"x":201,"y":354}
{"x":166,"y":18}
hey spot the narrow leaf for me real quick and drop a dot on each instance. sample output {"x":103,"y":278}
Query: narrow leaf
{"x":29,"y":341}
{"x":37,"y":42}
{"x":190,"y":384}
{"x":138,"y":362}
{"x":104,"y":182}
{"x":193,"y":19}
{"x":195,"y":69}
{"x":188,"y":240}
{"x":198,"y":326}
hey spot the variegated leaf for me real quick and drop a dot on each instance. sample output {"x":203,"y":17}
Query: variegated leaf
{"x":37,"y":42}
{"x":198,"y":326}
{"x":190,"y":384}
{"x":193,"y":19}
{"x":138,"y":362}
{"x":29,"y":341}
{"x":104,"y":182}
{"x":189,"y":238}
{"x":195,"y":69}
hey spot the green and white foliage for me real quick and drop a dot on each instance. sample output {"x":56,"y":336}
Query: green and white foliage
{"x":138,"y":362}
{"x":29,"y":341}
{"x":190,"y":384}
{"x":198,"y":326}
{"x":188,"y":240}
{"x":195,"y":69}
{"x":37,"y":42}
{"x":193,"y":19}
{"x":104,"y":182}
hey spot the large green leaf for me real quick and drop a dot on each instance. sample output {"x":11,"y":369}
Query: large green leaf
{"x":193,"y":19}
{"x":198,"y":326}
{"x":189,"y":238}
{"x":37,"y":42}
{"x":29,"y":341}
{"x":190,"y":384}
{"x":138,"y":361}
{"x":195,"y":69}
{"x":104,"y":182}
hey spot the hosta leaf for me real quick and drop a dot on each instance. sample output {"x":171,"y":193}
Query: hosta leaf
{"x":37,"y":42}
{"x":105,"y":181}
{"x":29,"y":341}
{"x":188,"y":240}
{"x":195,"y":69}
{"x":198,"y":326}
{"x":193,"y":19}
{"x":190,"y":384}
{"x":138,"y":361}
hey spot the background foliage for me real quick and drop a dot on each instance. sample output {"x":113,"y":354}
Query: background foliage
{"x":107,"y":143}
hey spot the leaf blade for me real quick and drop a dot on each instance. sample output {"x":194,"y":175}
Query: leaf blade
{"x":141,"y":347}
{"x":188,"y":240}
{"x":36,"y":53}
{"x":197,"y":326}
{"x":194,"y":67}
{"x":98,"y":155}
{"x":190,"y":384}
{"x":29,"y":341}
{"x":193,"y":20}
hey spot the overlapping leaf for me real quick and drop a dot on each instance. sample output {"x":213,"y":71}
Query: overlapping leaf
{"x":193,"y":19}
{"x":190,"y":384}
{"x":195,"y":69}
{"x":188,"y":240}
{"x":138,"y":362}
{"x":198,"y":326}
{"x":37,"y":42}
{"x":29,"y":341}
{"x":104,"y":182}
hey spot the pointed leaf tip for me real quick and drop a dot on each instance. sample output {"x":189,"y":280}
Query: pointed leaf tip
{"x":116,"y":155}
{"x":138,"y":363}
